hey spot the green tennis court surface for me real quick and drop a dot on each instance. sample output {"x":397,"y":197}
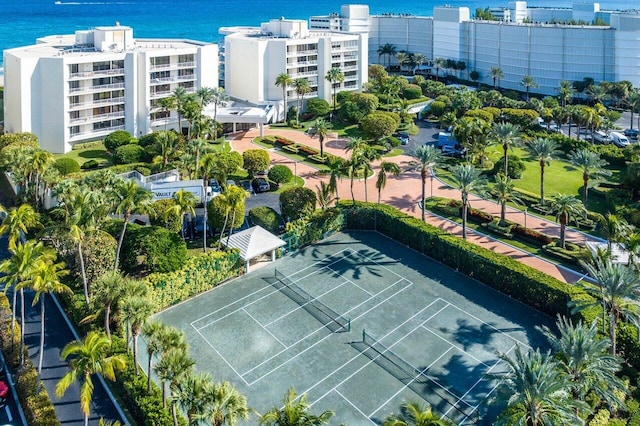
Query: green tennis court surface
{"x":431,"y":333}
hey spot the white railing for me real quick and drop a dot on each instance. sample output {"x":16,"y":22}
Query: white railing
{"x":173,"y":79}
{"x":95,"y":132}
{"x":107,"y":101}
{"x":100,"y":88}
{"x":173,"y":65}
{"x":305,"y":74}
{"x":301,"y":63}
{"x":99,"y":117}
{"x":88,"y":74}
{"x":303,"y":52}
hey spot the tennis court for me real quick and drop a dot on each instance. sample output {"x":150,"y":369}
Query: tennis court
{"x":361,"y":325}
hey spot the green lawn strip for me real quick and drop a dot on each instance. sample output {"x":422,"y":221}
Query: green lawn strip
{"x":393,"y":153}
{"x":98,"y":153}
{"x":529,"y":248}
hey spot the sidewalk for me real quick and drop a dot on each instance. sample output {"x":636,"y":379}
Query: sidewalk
{"x":403,"y":192}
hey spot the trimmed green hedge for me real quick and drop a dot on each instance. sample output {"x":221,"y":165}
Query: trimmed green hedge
{"x":200,"y":273}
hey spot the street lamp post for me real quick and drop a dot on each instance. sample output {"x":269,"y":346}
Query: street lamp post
{"x":525,"y":217}
{"x":431,"y":179}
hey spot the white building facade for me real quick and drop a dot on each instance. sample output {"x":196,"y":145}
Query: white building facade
{"x":254,"y":57}
{"x":77,"y":88}
{"x":549,"y":44}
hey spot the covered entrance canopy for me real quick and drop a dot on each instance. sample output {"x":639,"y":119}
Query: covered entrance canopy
{"x":253,"y":243}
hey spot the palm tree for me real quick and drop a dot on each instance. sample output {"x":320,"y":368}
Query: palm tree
{"x":389,"y":50}
{"x":544,"y":150}
{"x":634,"y":103}
{"x":583,"y":356}
{"x":321,"y":129}
{"x":496,"y":74}
{"x":416,"y":414}
{"x":294,"y":412}
{"x":235,"y":197}
{"x":167,"y":142}
{"x":167,"y":105}
{"x":597,"y":93}
{"x":335,"y":170}
{"x":17,"y":222}
{"x":439,"y":63}
{"x":107,"y":291}
{"x":87,"y":358}
{"x":45,"y":279}
{"x":198,"y":147}
{"x":386,"y":167}
{"x":632,"y":245}
{"x":40,"y":161}
{"x":536,"y":391}
{"x":355,"y":146}
{"x":426,"y":158}
{"x":467,"y":179}
{"x":284,"y":80}
{"x":420,"y":59}
{"x":335,"y":76}
{"x":507,"y":135}
{"x":503,"y":192}
{"x":565,"y":92}
{"x":614,"y":228}
{"x":135,"y":311}
{"x":184,"y":202}
{"x":324,"y":194}
{"x":368,"y":155}
{"x":219,"y":97}
{"x":566,"y":207}
{"x":18,"y":270}
{"x":129,"y":198}
{"x":616,"y":290}
{"x":207,"y":167}
{"x":225,"y":405}
{"x":173,"y":367}
{"x":189,"y":394}
{"x":591,"y":165}
{"x":153,"y":332}
{"x":528,"y":82}
{"x":179,"y":98}
{"x":301,"y":86}
{"x":402,"y":58}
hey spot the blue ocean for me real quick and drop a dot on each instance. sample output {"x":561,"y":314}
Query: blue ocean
{"x":26,"y":20}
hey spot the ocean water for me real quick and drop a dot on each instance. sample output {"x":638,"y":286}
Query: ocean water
{"x":25,"y":20}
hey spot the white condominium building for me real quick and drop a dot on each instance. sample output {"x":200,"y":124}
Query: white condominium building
{"x":255,"y":56}
{"x":76,"y":88}
{"x":549,"y":44}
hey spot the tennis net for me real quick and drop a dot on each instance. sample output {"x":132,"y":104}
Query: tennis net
{"x":413,"y":376}
{"x":327,"y":316}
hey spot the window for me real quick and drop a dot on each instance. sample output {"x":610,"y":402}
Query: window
{"x":74,"y":130}
{"x":185,"y":58}
{"x":74,"y":114}
{"x":73,"y":68}
{"x":160,"y":61}
{"x":160,"y":74}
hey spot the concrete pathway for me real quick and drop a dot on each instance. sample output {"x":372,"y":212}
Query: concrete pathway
{"x":404,"y":193}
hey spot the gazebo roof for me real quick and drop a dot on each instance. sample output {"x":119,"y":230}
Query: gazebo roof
{"x":254,"y":242}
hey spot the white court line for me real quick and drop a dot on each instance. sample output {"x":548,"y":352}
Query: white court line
{"x":351,"y":404}
{"x":475,"y":408}
{"x":359,"y":354}
{"x":323,"y":260}
{"x":410,"y":382}
{"x":350,"y":282}
{"x":263,"y":327}
{"x":314,"y":344}
{"x":455,"y":346}
{"x":220,"y":355}
{"x":382,"y":266}
{"x":489,"y":325}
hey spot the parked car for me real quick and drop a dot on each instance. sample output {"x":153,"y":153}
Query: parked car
{"x":631,"y":133}
{"x":619,"y":139}
{"x":199,"y":225}
{"x":601,"y":137}
{"x":231,"y":182}
{"x":404,"y":138}
{"x":246,"y":185}
{"x":454,"y":151}
{"x":260,"y":185}
{"x":215,"y":187}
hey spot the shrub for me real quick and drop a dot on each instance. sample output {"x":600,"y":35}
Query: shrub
{"x":280,"y":174}
{"x":255,"y":160}
{"x":66,"y":166}
{"x":531,"y":235}
{"x":318,"y":107}
{"x":412,"y":91}
{"x":148,"y":249}
{"x":127,"y":154}
{"x":217,"y":214}
{"x":91,"y":164}
{"x":144,"y":171}
{"x":117,"y":139}
{"x":158,"y":216}
{"x":437,"y":108}
{"x":343,"y":96}
{"x":480,"y":113}
{"x":266,"y":217}
{"x":99,"y":251}
{"x":611,"y":153}
{"x":515,"y":167}
{"x":379,"y":125}
{"x":297,"y":202}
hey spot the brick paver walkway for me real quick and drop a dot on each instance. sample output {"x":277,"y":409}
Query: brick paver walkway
{"x":404,"y":193}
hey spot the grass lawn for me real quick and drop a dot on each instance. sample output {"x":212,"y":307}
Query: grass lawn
{"x":98,"y":152}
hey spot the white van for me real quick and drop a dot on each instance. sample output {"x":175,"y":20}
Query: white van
{"x":619,"y":139}
{"x":601,"y":137}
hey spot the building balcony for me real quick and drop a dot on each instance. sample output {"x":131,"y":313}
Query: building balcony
{"x":92,"y":74}
{"x":301,"y":64}
{"x":349,"y":68}
{"x":99,"y":117}
{"x":99,"y":102}
{"x":93,"y":89}
{"x":174,"y":65}
{"x":94,"y":133}
{"x":302,"y":52}
{"x":304,"y":74}
{"x":173,"y":79}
